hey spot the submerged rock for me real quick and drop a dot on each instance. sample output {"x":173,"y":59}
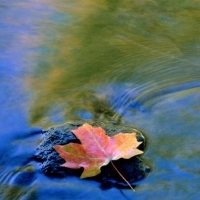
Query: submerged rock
{"x":133,"y":169}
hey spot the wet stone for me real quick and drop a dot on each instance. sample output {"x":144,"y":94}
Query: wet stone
{"x":133,"y":169}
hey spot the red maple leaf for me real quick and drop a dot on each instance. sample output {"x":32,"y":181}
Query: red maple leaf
{"x":97,"y":149}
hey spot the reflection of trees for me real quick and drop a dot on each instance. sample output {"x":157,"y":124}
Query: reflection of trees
{"x":91,"y":43}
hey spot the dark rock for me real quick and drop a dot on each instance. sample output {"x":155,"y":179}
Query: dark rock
{"x":133,"y":169}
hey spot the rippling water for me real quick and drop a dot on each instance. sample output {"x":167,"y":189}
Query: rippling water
{"x":133,"y":62}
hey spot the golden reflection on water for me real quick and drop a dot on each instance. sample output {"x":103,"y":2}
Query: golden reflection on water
{"x":152,"y":44}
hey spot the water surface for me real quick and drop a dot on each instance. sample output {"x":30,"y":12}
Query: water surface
{"x":133,"y":62}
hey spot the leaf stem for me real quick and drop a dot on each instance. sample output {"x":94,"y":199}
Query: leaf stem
{"x":122,"y":176}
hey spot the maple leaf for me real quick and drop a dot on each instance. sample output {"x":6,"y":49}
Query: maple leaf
{"x":97,"y":149}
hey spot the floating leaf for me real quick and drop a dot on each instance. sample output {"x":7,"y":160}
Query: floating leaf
{"x":97,"y":149}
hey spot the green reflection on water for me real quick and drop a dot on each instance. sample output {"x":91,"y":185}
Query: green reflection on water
{"x":153,"y":44}
{"x":19,"y":189}
{"x":17,"y":192}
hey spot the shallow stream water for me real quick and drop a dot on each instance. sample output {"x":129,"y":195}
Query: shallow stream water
{"x":133,"y":62}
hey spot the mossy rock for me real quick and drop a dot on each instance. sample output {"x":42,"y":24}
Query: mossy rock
{"x":133,"y":169}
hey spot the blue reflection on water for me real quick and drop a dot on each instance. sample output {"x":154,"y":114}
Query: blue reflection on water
{"x":172,"y":123}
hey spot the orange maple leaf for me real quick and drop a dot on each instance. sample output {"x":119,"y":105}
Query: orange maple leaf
{"x":97,"y":149}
